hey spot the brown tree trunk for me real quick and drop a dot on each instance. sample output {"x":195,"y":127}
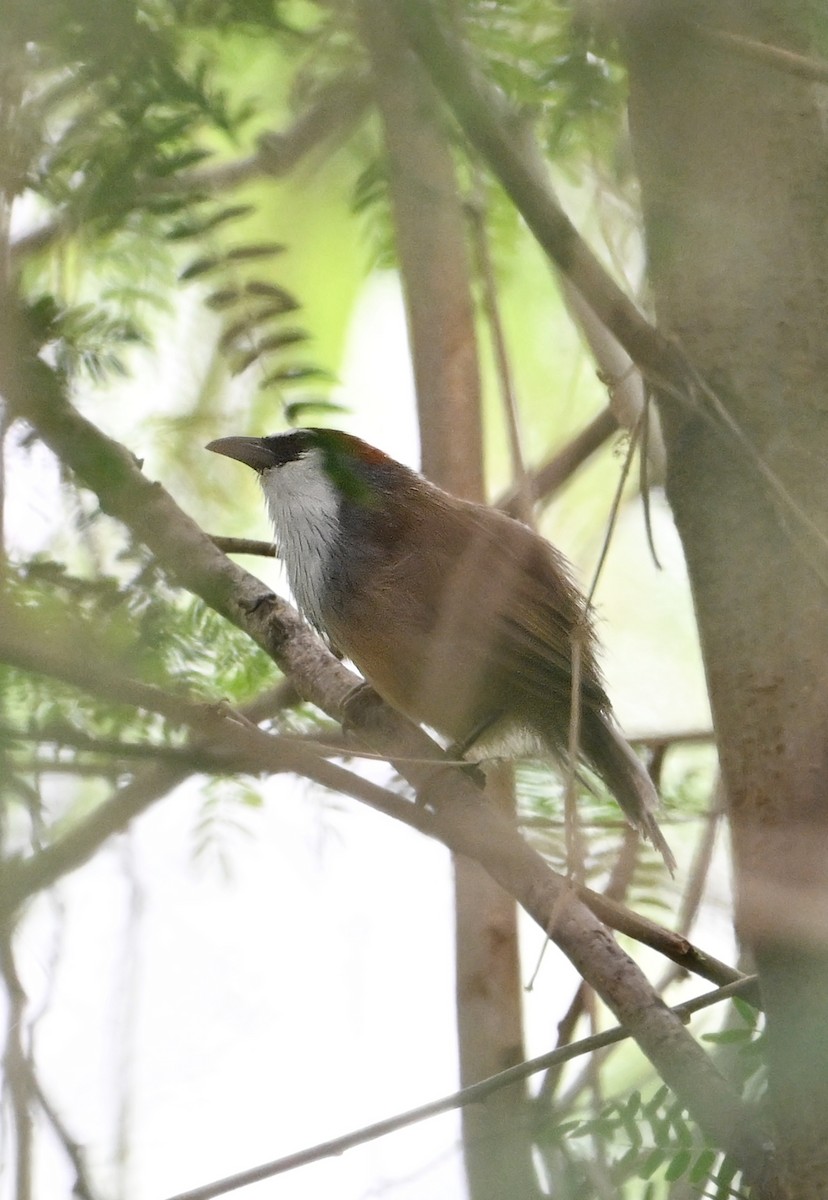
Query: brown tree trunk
{"x":732,"y":159}
{"x":431,"y":244}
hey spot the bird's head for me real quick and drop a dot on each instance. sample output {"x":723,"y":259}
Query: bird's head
{"x":329,"y":496}
{"x":304,"y":463}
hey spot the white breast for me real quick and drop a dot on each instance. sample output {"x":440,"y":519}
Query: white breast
{"x":304,"y":508}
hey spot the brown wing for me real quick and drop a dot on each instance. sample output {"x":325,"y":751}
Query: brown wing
{"x":482,"y":625}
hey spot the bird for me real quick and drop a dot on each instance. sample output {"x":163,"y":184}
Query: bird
{"x":459,"y":616}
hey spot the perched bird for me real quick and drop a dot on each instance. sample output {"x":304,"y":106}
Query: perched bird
{"x":457,"y":615}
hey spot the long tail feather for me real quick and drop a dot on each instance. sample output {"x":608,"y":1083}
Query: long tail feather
{"x":622,"y":771}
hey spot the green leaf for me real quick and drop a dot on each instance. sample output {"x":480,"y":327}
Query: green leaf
{"x":297,"y":410}
{"x":295,"y":375}
{"x":747,"y":1012}
{"x":724,"y":1178}
{"x":703,"y":1165}
{"x":652,"y":1162}
{"x":262,"y":250}
{"x":728,"y":1037}
{"x":201,"y":266}
{"x":678,"y":1166}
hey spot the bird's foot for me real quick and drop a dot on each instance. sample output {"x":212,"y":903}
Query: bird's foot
{"x":359,"y":707}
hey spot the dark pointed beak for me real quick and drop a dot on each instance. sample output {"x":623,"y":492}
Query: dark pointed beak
{"x":252,"y":451}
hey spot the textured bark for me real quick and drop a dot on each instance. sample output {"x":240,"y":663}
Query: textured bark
{"x":431,"y":245}
{"x":733,"y":165}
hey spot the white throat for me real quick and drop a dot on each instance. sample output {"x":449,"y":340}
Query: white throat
{"x":304,"y":508}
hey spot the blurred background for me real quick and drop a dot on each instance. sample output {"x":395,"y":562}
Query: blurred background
{"x":202,"y":212}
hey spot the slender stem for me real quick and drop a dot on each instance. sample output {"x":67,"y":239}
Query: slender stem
{"x":476,"y":1094}
{"x":522,"y":490}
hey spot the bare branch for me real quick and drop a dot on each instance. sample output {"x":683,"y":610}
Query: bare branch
{"x":334,"y":112}
{"x":677,"y":737}
{"x":82,"y":1188}
{"x":550,"y":477}
{"x":236,"y":545}
{"x":699,"y":870}
{"x":521,"y":485}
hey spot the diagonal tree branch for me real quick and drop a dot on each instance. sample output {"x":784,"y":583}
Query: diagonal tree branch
{"x":333,"y":113}
{"x":237,"y":545}
{"x":481,"y":113}
{"x":224,"y":739}
{"x":562,"y":465}
{"x":459,"y":818}
{"x":225,"y":742}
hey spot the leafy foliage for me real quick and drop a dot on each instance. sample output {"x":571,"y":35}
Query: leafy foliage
{"x":603,"y":827}
{"x":111,"y":145}
{"x":252,"y":310}
{"x":551,"y":64}
{"x":143,"y":629}
{"x":145,"y":624}
{"x":84,"y":338}
{"x":644,"y":1137}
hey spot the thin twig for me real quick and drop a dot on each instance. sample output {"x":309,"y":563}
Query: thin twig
{"x":615,"y":891}
{"x":613,"y":516}
{"x":475,"y":1094}
{"x":508,"y":398}
{"x":563,"y":464}
{"x":644,"y":476}
{"x":672,"y":945}
{"x":16,"y":1067}
{"x":574,"y":846}
{"x":696,"y":878}
{"x":82,"y":1187}
{"x":566,"y":1031}
{"x":680,"y":737}
{"x":237,"y":545}
{"x":616,"y":370}
{"x":773,"y":56}
{"x":5,"y":425}
{"x":40,"y":765}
